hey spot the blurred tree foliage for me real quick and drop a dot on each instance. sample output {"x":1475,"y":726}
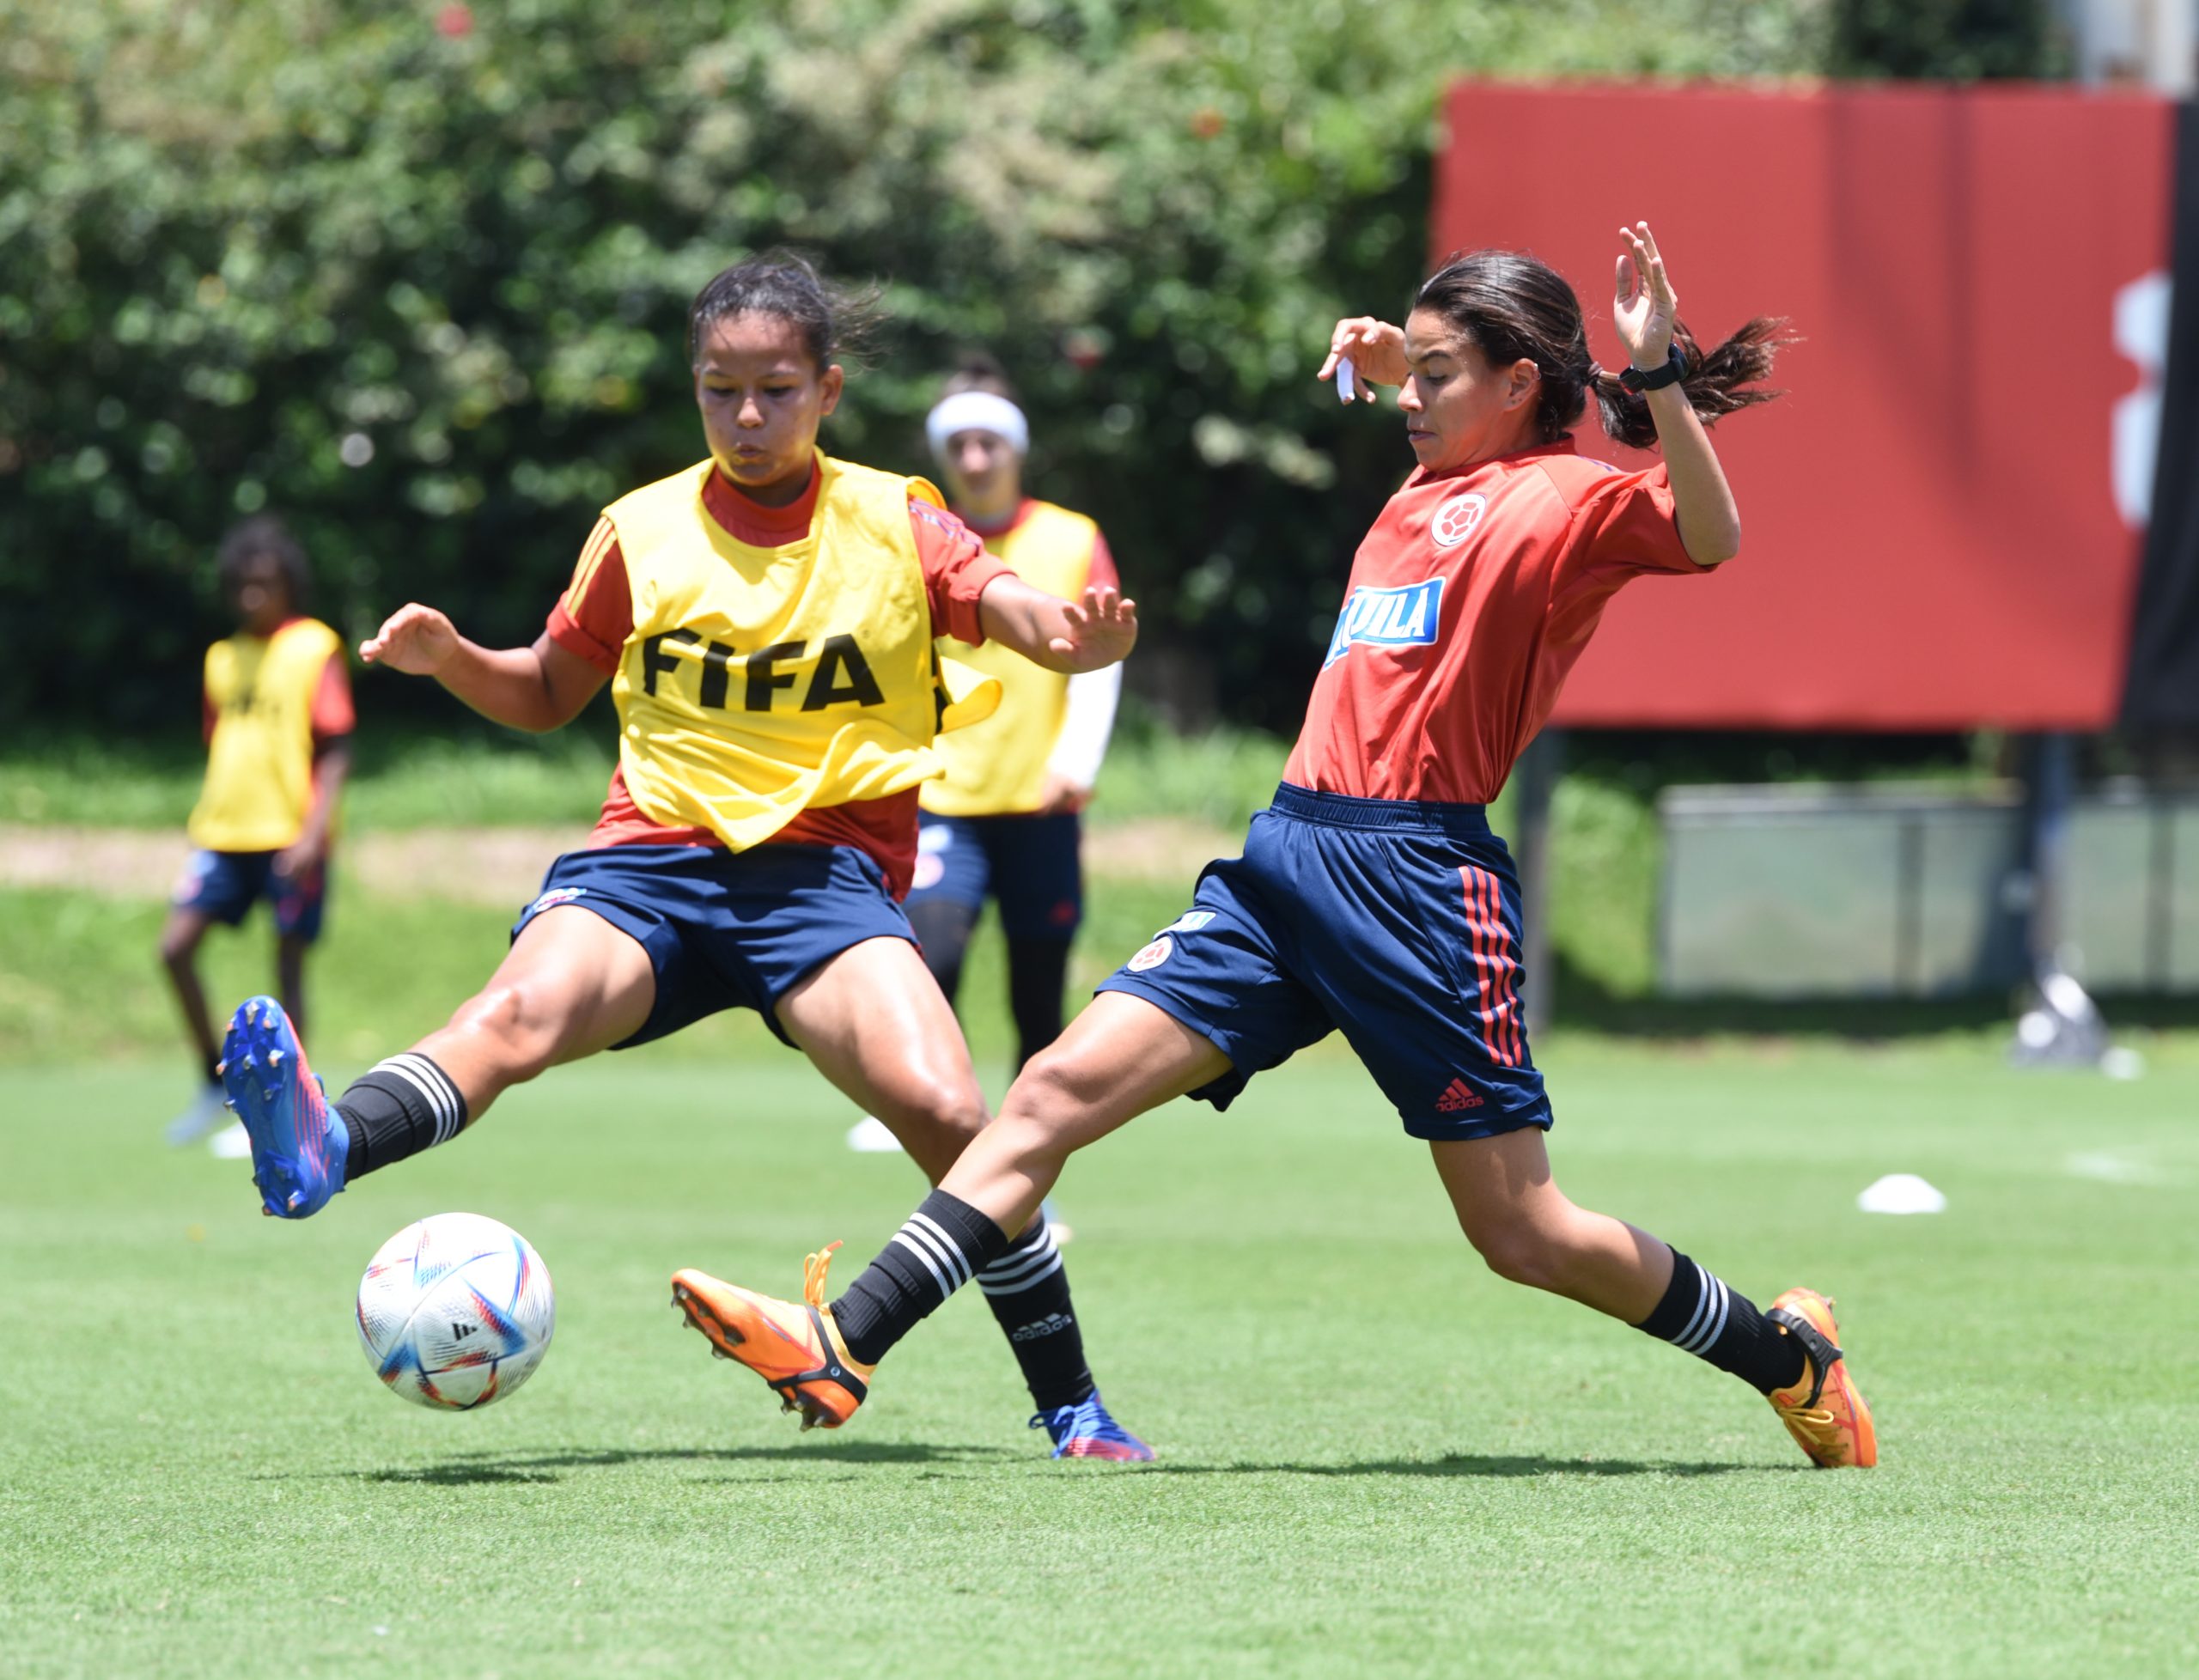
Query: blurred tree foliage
{"x":1952,"y":40}
{"x":416,"y":275}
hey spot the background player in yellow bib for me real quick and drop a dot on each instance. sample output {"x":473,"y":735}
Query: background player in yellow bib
{"x":278,"y":719}
{"x":1004,"y":821}
{"x":766,"y":619}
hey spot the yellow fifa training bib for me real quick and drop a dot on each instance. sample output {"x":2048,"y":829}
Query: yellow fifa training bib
{"x":259,"y":763}
{"x":757,"y":683}
{"x":999,"y":766}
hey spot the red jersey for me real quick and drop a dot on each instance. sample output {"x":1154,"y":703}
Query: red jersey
{"x":596,"y":615}
{"x":1468,"y":601}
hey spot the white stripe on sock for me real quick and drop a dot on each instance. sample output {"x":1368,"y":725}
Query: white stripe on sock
{"x":1020,"y":1264}
{"x":448,"y":1104}
{"x":1724,"y":1307}
{"x":438,"y":1103}
{"x":924,"y":1255}
{"x":1053,"y":1265}
{"x":1718,"y":1304}
{"x":941,"y":1256}
{"x":1695,"y":1322}
{"x":932,"y":1227}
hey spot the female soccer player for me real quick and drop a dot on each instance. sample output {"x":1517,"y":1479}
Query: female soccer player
{"x":278,"y":715}
{"x":766,"y":619}
{"x":1003,"y":821}
{"x":1371,"y":897}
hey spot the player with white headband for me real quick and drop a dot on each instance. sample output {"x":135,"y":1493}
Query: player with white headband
{"x":1003,"y":821}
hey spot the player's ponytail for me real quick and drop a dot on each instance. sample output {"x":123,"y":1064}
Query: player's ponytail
{"x":1514,"y":307}
{"x":1717,"y":382}
{"x":836,"y":322}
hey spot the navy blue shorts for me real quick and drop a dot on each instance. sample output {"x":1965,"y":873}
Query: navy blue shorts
{"x":1028,"y":863}
{"x":1397,"y":923}
{"x":222,"y":887}
{"x":726,"y":930}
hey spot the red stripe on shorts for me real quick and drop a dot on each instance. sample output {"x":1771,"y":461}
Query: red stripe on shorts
{"x":1497,"y":964}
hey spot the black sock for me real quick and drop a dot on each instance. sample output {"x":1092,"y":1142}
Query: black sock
{"x":1037,"y":969}
{"x":398,"y":1108}
{"x":945,"y":1244}
{"x":1028,"y":1292}
{"x":1701,"y":1315}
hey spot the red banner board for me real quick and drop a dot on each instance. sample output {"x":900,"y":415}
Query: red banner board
{"x":1932,"y":535}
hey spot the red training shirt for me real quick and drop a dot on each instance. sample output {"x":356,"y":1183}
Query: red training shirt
{"x":1468,"y":601}
{"x":596,"y":615}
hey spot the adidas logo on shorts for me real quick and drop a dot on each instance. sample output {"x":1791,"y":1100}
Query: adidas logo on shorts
{"x":1457,"y":1097}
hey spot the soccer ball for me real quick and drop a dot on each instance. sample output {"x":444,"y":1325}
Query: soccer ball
{"x":455,"y":1310}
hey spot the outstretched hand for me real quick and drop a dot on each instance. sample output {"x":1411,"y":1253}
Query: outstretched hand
{"x":1101,"y":631}
{"x":414,"y":639}
{"x":1646,"y":307}
{"x":1376,"y":348}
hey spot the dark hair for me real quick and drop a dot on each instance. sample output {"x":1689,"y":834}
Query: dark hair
{"x":263,"y":536}
{"x":978,"y":370}
{"x":836,"y":321}
{"x":1512,"y":306}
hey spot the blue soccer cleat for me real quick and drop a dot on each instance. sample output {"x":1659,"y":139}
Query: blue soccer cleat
{"x":297,"y":1156}
{"x":1085,"y":1431}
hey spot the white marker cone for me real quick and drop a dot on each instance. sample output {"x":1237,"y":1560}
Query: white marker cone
{"x":1901,"y":1193}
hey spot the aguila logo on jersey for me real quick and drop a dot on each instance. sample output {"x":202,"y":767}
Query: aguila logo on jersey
{"x":1457,"y":519}
{"x":1402,"y":618}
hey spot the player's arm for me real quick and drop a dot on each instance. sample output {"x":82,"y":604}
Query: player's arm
{"x":333,"y":721}
{"x":537,"y":688}
{"x":1061,"y":636}
{"x":331,"y":767}
{"x":1643,"y":311}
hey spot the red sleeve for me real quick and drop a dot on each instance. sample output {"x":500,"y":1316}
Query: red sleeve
{"x":1627,"y":522}
{"x":332,"y":716}
{"x":596,"y":615}
{"x":957,"y":568}
{"x":1102,"y":574}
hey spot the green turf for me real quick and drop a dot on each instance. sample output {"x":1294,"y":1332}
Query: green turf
{"x":388,"y":970}
{"x":1376,"y":1459}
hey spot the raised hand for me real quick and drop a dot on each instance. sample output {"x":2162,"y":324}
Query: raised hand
{"x":414,"y":639}
{"x":1101,"y":632}
{"x":1646,"y":306}
{"x":1376,"y":350}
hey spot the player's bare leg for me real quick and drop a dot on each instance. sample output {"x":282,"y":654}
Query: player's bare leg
{"x":291,"y":978}
{"x":876,"y":1025}
{"x":1120,"y":1057}
{"x":1510,"y":1207}
{"x":571,"y":984}
{"x":181,"y":937}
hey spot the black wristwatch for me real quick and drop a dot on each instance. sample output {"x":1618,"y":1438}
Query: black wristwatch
{"x":1673,"y":371}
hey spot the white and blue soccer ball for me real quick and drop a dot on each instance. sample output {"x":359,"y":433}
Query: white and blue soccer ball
{"x":455,"y":1310}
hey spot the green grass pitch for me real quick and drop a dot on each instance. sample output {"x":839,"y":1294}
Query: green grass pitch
{"x":1375,"y":1458}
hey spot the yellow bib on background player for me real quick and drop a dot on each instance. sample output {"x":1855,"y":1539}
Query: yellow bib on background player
{"x":999,"y":766}
{"x":259,"y":763}
{"x":761,"y":682}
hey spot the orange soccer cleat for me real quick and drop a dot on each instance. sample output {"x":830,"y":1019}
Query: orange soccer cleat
{"x":1824,"y":1411}
{"x":796,"y":1348}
